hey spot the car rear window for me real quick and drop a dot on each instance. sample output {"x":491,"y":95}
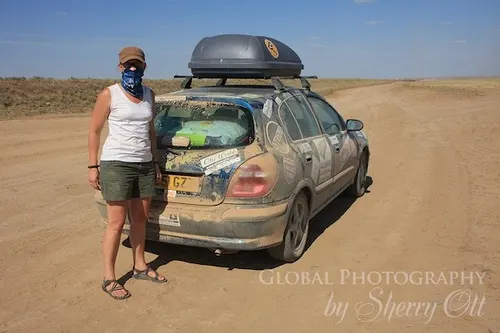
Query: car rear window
{"x":198,"y":125}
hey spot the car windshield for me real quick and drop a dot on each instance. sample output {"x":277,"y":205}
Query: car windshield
{"x":196,"y":125}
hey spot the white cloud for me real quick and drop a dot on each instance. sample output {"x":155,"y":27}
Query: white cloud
{"x":314,"y":37}
{"x":374,"y":22}
{"x":62,"y":14}
{"x":459,"y":42}
{"x":362,"y":2}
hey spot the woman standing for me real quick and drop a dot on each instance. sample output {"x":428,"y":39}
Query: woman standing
{"x":128,"y":165}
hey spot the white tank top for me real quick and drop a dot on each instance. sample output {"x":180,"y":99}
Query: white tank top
{"x":128,"y":139}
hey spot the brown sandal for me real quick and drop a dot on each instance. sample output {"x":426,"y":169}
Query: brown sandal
{"x":143,"y":275}
{"x":116,"y":286}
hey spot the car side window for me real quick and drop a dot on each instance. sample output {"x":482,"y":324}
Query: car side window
{"x":289,"y":122}
{"x":299,"y":112}
{"x":329,"y":118}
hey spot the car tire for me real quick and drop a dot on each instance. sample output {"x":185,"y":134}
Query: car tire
{"x":296,"y":232}
{"x":358,"y":187}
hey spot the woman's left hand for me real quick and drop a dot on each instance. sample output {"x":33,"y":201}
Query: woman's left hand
{"x":158,"y":174}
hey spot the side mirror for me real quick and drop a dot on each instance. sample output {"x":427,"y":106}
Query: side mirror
{"x":354,"y":125}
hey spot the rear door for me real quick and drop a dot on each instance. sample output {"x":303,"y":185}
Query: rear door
{"x":344,"y":147}
{"x":201,"y":143}
{"x":314,"y":147}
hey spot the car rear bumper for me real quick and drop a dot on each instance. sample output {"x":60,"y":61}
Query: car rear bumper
{"x":225,"y":226}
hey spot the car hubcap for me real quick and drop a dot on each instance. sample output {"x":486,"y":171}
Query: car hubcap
{"x":298,"y":225}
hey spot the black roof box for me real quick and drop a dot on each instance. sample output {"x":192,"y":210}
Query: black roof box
{"x":243,"y":56}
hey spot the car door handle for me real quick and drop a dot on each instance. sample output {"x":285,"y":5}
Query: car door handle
{"x":309,"y":158}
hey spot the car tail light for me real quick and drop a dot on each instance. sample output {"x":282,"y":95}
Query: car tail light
{"x":254,"y":178}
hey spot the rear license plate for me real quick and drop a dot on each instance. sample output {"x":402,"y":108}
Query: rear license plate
{"x":181,"y":183}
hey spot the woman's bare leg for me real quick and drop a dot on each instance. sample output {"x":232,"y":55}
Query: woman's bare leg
{"x":139,"y":211}
{"x":117,"y":212}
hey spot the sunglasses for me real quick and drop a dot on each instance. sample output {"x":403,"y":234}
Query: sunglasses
{"x":133,"y":63}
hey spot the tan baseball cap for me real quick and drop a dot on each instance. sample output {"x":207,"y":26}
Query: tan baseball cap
{"x":131,"y":52}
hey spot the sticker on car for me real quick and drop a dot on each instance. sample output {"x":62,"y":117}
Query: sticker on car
{"x":334,"y":140}
{"x":268,"y":108}
{"x":220,"y":160}
{"x":290,"y":169}
{"x":171,"y":219}
{"x":325,"y":160}
{"x":276,"y":137}
{"x":347,"y":151}
{"x":304,"y":147}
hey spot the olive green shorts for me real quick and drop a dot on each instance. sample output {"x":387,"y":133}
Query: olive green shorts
{"x":126,"y":180}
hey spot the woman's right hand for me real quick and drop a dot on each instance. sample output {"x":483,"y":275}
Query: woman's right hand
{"x":94,"y":178}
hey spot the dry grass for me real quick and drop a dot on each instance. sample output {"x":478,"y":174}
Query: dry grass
{"x":457,"y":88}
{"x":20,"y":97}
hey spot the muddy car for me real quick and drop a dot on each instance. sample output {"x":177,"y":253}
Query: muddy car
{"x":246,"y":167}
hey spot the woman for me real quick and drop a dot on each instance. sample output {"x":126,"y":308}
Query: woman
{"x":128,"y":165}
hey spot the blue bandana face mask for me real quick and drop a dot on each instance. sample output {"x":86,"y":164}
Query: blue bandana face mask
{"x":132,"y":81}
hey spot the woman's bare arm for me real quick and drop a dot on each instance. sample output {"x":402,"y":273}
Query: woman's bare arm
{"x":99,"y":116}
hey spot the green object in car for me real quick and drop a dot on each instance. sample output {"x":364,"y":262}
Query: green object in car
{"x":196,"y":139}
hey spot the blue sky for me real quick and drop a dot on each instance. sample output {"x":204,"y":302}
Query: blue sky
{"x":336,"y":38}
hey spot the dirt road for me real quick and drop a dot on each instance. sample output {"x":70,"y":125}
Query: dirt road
{"x":433,"y":209}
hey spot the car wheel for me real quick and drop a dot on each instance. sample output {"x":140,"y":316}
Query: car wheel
{"x":294,"y":242}
{"x":358,"y":188}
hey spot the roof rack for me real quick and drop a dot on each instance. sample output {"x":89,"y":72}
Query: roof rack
{"x":276,"y":80}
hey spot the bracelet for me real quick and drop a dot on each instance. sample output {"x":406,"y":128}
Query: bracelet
{"x":93,"y":166}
